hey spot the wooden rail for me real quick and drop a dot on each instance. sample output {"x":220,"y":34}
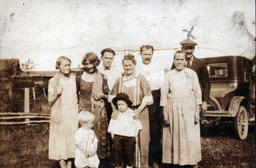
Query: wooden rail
{"x":11,"y":118}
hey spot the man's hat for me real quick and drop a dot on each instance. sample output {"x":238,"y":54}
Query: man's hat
{"x":122,"y":96}
{"x":188,"y":43}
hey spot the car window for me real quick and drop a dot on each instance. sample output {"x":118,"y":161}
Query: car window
{"x":217,"y":70}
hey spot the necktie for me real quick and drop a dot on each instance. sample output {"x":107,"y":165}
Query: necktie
{"x":189,"y":63}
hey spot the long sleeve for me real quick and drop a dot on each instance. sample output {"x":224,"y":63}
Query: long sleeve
{"x":164,"y":94}
{"x":97,"y":90}
{"x":205,"y":82}
{"x":147,"y":95}
{"x":164,"y":90}
{"x":196,"y":88}
{"x":114,"y":90}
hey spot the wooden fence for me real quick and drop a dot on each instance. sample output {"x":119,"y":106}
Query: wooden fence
{"x":11,"y":118}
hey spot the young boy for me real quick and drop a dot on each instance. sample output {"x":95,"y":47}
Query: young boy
{"x":86,"y":142}
{"x":124,"y":130}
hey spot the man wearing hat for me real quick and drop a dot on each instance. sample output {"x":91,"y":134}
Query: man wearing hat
{"x":199,"y":66}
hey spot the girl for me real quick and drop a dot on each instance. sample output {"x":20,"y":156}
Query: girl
{"x":86,"y":142}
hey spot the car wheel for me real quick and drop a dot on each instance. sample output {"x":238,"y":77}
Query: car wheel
{"x":241,"y":123}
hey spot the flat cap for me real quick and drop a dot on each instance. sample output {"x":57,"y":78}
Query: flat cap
{"x":188,"y":43}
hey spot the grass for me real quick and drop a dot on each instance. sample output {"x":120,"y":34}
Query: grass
{"x":26,"y":146}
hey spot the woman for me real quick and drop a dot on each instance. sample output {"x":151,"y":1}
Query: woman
{"x":62,"y":97}
{"x":181,"y":98}
{"x":93,"y":90}
{"x":138,"y":89}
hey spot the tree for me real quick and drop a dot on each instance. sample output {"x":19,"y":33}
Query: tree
{"x":28,"y":65}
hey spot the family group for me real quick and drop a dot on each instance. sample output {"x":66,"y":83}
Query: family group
{"x":141,"y":117}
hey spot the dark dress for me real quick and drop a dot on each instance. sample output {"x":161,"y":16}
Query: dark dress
{"x":85,"y":89}
{"x":88,"y":101}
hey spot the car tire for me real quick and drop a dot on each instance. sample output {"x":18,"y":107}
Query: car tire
{"x":241,"y":123}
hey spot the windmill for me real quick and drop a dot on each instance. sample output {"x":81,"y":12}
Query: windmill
{"x":189,"y":33}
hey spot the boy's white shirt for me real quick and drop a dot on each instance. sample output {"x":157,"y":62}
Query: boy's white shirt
{"x":125,"y":124}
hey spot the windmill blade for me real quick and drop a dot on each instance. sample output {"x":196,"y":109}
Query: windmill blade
{"x":192,"y":36}
{"x":191,"y":28}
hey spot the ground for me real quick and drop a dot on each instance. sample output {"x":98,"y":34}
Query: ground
{"x":26,"y":146}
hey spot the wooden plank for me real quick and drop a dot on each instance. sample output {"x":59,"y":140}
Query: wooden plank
{"x":13,"y":123}
{"x":22,"y":113}
{"x":26,"y":102}
{"x":24,"y":122}
{"x":23,"y":117}
{"x":41,"y":121}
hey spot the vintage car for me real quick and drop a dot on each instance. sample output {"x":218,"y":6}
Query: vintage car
{"x":232,"y":95}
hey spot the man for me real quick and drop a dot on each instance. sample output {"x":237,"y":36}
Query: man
{"x":106,"y":68}
{"x":110,"y":74}
{"x":199,"y":66}
{"x":154,"y":74}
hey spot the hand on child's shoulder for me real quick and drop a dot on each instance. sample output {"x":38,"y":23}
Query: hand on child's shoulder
{"x":136,"y":116}
{"x":114,"y":115}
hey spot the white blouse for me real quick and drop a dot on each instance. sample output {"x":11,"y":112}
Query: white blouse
{"x":125,"y":124}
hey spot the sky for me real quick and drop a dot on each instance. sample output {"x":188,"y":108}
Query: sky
{"x":43,"y":30}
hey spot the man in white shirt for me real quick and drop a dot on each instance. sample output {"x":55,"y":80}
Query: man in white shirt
{"x":154,"y":74}
{"x":110,"y":73}
{"x":106,"y":68}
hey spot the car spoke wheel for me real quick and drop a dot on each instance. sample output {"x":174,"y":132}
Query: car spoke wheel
{"x":241,"y":123}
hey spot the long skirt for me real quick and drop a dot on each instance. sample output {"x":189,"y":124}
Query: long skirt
{"x":144,"y":138}
{"x":181,"y":141}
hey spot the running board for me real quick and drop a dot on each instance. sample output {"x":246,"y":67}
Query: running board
{"x":217,"y":114}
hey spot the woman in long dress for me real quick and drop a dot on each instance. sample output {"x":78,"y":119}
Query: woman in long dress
{"x":138,"y":90}
{"x":62,"y":97}
{"x":93,"y":91}
{"x":181,"y":99}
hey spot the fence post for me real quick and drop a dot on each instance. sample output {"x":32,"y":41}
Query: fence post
{"x":44,"y":92}
{"x":34,"y":93}
{"x":26,"y":103}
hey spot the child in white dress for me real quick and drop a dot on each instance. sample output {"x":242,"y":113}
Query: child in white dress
{"x":124,"y":130}
{"x":86,"y":142}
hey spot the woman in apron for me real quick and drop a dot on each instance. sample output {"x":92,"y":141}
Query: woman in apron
{"x":181,"y":98}
{"x":138,"y":90}
{"x":62,"y":97}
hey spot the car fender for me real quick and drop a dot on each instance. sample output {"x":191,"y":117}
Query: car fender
{"x":235,"y":104}
{"x":215,"y":102}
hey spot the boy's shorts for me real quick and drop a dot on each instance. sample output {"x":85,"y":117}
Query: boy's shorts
{"x":123,"y":150}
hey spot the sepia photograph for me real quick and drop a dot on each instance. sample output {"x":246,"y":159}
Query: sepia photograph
{"x":127,"y":83}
